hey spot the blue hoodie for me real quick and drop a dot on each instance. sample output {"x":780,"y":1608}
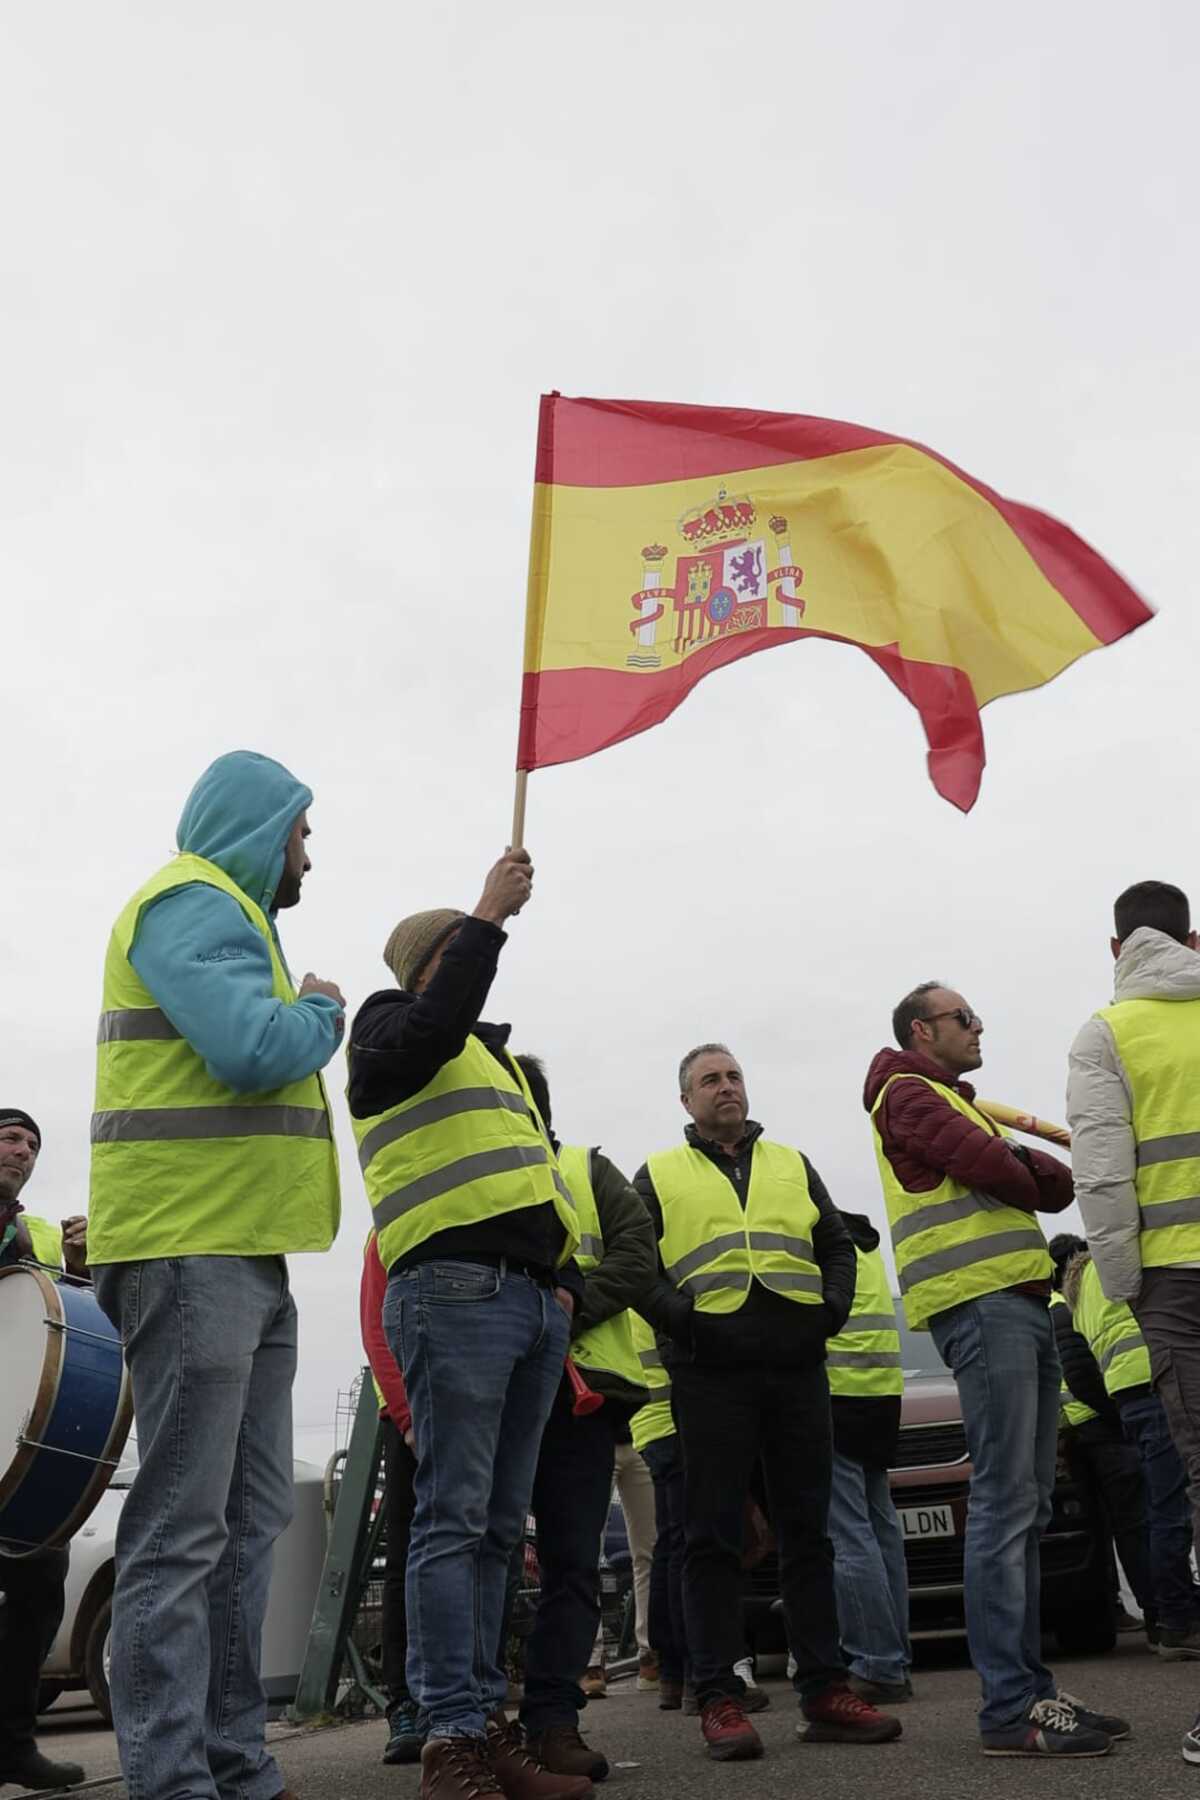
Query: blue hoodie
{"x":206,"y":965}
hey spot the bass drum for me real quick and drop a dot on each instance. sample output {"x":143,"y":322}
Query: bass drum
{"x":65,"y":1408}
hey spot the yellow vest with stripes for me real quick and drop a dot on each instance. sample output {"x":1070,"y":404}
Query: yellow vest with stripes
{"x":1114,"y":1335}
{"x":46,"y":1239}
{"x":652,"y":1421}
{"x":609,"y":1345}
{"x":953,"y":1244}
{"x":863,"y":1360}
{"x":181,"y":1165}
{"x":469,"y":1146}
{"x":1071,"y":1411}
{"x":712,"y":1248}
{"x":1158,"y":1042}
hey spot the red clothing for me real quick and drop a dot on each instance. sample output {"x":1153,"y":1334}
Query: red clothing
{"x":925,"y":1139}
{"x":384,"y":1366}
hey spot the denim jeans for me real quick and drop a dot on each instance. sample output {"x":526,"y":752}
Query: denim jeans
{"x":667,"y":1632}
{"x":482,"y":1352}
{"x":1109,"y":1468}
{"x":399,"y":1468}
{"x":869,"y":1573}
{"x":211,"y":1346}
{"x":1167,"y":1512}
{"x":1002,"y":1352}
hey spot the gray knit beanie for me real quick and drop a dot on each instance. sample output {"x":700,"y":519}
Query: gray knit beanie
{"x":415,"y":939}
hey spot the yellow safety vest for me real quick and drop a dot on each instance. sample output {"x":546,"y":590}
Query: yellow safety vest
{"x":181,"y":1165}
{"x":863,"y":1360}
{"x":712,"y":1247}
{"x":1158,"y":1042}
{"x":953,"y":1244}
{"x":654,"y":1420}
{"x":1071,"y":1411}
{"x":1114,"y":1335}
{"x":609,"y":1345}
{"x":47,"y":1240}
{"x":469,"y":1146}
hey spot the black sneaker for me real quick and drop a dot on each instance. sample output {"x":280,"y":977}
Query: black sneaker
{"x":405,"y":1736}
{"x":1107,"y":1724}
{"x":1178,"y":1646}
{"x":37,"y":1771}
{"x":1049,"y":1728}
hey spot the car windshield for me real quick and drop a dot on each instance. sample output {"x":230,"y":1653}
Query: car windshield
{"x":918,"y":1352}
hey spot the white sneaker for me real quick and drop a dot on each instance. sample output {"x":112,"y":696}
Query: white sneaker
{"x":745,"y":1668}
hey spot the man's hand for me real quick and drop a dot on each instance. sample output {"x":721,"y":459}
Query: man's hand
{"x":312,"y":984}
{"x":566,"y":1300}
{"x":410,"y":1438}
{"x":507,"y":888}
{"x":74,"y":1232}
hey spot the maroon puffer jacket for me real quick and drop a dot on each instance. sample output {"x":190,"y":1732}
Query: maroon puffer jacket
{"x":925,"y":1139}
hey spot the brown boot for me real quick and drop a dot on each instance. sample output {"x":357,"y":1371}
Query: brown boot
{"x":522,"y":1773}
{"x":456,"y":1768}
{"x":561,"y":1748}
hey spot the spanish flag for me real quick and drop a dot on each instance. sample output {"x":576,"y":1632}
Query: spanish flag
{"x":671,"y":540}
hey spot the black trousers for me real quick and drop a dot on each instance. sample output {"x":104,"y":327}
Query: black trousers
{"x":1101,"y":1460}
{"x":668,"y":1632}
{"x":726,"y":1420}
{"x":31,"y":1614}
{"x":572,"y":1492}
{"x":399,"y":1469}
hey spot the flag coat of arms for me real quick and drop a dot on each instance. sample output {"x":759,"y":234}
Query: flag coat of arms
{"x":670,"y":540}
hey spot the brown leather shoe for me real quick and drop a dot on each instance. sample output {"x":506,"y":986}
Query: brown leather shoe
{"x":561,"y":1748}
{"x":522,"y":1773}
{"x":456,"y":1768}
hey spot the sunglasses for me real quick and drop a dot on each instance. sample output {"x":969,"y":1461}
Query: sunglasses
{"x":968,"y":1020}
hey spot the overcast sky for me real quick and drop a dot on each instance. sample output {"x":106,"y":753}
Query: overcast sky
{"x":279,"y":287}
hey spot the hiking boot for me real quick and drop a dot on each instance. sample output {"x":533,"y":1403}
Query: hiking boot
{"x":1191,"y":1743}
{"x":519,"y":1767}
{"x":754,"y":1699}
{"x":456,"y":1768}
{"x":1107,"y":1724}
{"x":1178,"y":1646}
{"x":691,"y":1706}
{"x":648,"y":1676}
{"x":670,"y":1694}
{"x":883,"y":1693}
{"x":560,"y":1749}
{"x":405,"y":1736}
{"x":728,"y":1732}
{"x":1049,"y":1728}
{"x":593,"y":1682}
{"x":839,"y":1716}
{"x":37,"y":1771}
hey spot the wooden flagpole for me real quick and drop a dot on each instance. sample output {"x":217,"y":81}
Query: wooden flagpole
{"x":518,"y":824}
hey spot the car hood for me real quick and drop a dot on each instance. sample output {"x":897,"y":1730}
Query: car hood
{"x":930,"y":1400}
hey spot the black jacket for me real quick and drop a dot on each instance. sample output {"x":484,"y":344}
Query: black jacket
{"x":625,"y":1275}
{"x":866,"y":1428}
{"x":1081,"y":1371}
{"x":768,"y":1330}
{"x":399,"y":1041}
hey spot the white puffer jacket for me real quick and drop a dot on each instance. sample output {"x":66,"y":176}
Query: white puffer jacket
{"x":1151,"y":966}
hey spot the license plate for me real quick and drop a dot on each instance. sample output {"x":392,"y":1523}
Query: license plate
{"x":927,"y":1521}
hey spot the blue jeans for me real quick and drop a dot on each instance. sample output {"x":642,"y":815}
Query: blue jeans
{"x":482,"y":1352}
{"x":1168,"y":1515}
{"x":211,"y":1346}
{"x":1002,"y":1352}
{"x":869,"y":1573}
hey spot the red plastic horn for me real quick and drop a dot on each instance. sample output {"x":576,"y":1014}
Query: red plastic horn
{"x":587,"y":1400}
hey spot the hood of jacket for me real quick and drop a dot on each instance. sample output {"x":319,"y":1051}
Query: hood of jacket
{"x":239,"y":815}
{"x":886,"y":1063}
{"x":865,"y":1235}
{"x":1073,"y":1275}
{"x":1152,"y":966}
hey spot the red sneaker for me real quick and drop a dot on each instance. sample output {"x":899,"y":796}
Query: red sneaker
{"x":728,"y":1732}
{"x":838,"y":1716}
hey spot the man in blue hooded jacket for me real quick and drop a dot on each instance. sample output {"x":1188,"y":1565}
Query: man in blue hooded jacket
{"x":212,"y":1157}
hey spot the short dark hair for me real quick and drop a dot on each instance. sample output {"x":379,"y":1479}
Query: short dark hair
{"x":1156,"y":904}
{"x":685,"y":1067}
{"x":534,"y":1071}
{"x":910,"y":1009}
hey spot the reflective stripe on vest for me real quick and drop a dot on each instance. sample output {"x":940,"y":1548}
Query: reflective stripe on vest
{"x":1112,"y":1332}
{"x":654,"y":1421}
{"x":181,"y":1164}
{"x":863,"y":1360}
{"x":469,"y":1146}
{"x":609,"y":1346}
{"x":1158,"y":1042}
{"x":954,"y":1244}
{"x":1071,"y":1412}
{"x":712,"y":1249}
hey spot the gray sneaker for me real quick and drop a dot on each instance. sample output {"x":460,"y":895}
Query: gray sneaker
{"x":1049,"y":1728}
{"x":1191,"y":1743}
{"x":1178,"y":1646}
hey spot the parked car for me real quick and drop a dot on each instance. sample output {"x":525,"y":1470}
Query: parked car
{"x":929,"y":1486}
{"x":79,"y":1654}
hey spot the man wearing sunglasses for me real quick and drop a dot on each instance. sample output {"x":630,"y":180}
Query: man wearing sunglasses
{"x":975,"y":1272}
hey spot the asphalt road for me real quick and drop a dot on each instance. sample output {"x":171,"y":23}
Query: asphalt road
{"x":661,"y":1754}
